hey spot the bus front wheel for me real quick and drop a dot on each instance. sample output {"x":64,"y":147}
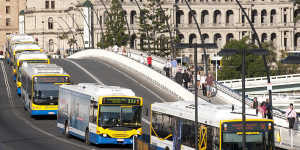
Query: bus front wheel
{"x":87,"y":137}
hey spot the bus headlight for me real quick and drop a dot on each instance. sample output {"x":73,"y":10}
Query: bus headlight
{"x":269,"y":126}
{"x":104,"y":135}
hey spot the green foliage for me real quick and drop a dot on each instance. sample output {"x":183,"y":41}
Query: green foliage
{"x":115,"y":27}
{"x":153,"y":29}
{"x":296,"y":18}
{"x":232,"y":65}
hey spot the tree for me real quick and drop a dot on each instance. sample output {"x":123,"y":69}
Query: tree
{"x":153,"y":29}
{"x":232,"y":65}
{"x":115,"y":27}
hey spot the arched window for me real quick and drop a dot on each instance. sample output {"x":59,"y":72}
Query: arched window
{"x":218,"y":39}
{"x":204,"y":17}
{"x":181,"y":38}
{"x":297,"y":40}
{"x":254,"y":16}
{"x":229,"y":37}
{"x":264,"y":37}
{"x":51,"y":45}
{"x":50,"y":23}
{"x":205,"y":38}
{"x":273,"y":39}
{"x":179,"y":17}
{"x":229,"y":17}
{"x":272,"y":16}
{"x":191,"y":13}
{"x":132,"y":17}
{"x":263,"y":16}
{"x":217,"y":17}
{"x":296,"y":15}
{"x":192,"y":38}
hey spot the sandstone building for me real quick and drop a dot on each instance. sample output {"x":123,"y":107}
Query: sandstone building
{"x":276,"y":21}
{"x":9,"y":18}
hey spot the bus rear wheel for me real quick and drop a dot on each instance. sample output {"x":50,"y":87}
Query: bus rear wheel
{"x":66,"y":133}
{"x":87,"y":137}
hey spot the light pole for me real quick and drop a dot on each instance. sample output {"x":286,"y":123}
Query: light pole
{"x":43,"y":35}
{"x":195,"y":46}
{"x":230,"y":52}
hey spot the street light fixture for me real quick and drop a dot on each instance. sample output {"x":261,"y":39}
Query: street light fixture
{"x":195,"y":46}
{"x":230,"y":52}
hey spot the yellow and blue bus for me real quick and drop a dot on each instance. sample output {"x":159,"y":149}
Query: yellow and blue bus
{"x":172,"y":126}
{"x":40,"y":83}
{"x":99,"y":114}
{"x":28,"y":57}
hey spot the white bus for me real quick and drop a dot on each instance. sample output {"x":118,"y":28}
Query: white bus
{"x":28,"y":57}
{"x":219,"y":127}
{"x":39,"y":87}
{"x":99,"y":114}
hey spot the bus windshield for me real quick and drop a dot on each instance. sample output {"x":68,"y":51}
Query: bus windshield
{"x":120,"y":116}
{"x":233,"y":141}
{"x":45,"y":93}
{"x":21,"y":51}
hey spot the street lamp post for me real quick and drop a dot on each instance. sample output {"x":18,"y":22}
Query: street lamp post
{"x":195,"y":46}
{"x":43,"y":35}
{"x":230,"y":52}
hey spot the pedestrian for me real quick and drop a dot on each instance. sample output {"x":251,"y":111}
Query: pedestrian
{"x":124,"y":51}
{"x":179,"y":77}
{"x":255,"y":105}
{"x":291,"y":116}
{"x":116,"y":49}
{"x":142,"y":60}
{"x":268,"y":109}
{"x":173,"y":67}
{"x":203,"y":84}
{"x":209,"y":83}
{"x":149,"y":61}
{"x":167,"y":68}
{"x":186,"y":79}
{"x":263,"y":109}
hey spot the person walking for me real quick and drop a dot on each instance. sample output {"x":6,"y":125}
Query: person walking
{"x":179,"y":77}
{"x":186,"y":79}
{"x":142,"y":61}
{"x":291,"y":116}
{"x":203,"y":84}
{"x":173,"y":67}
{"x":268,"y":109}
{"x":149,"y":61}
{"x":255,"y":105}
{"x":263,"y":109}
{"x":167,"y":68}
{"x":209,"y":83}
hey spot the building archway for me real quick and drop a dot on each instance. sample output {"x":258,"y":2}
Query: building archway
{"x":274,"y":39}
{"x":296,"y":15}
{"x":229,"y":37}
{"x":229,"y":17}
{"x":263,"y":16}
{"x":205,"y":38}
{"x":181,"y":38}
{"x":179,"y":17}
{"x":264,"y":37}
{"x":254,"y":16}
{"x":51,"y":45}
{"x":273,"y":16}
{"x":297,"y":40}
{"x":192,"y":38}
{"x":132,"y":16}
{"x":218,"y":39}
{"x":217,"y":17}
{"x":191,"y":20}
{"x":204,"y":17}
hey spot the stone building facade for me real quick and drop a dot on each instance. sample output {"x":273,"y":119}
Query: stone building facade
{"x":9,"y":18}
{"x":220,"y":20}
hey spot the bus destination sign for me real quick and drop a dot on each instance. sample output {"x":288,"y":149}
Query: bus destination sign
{"x":250,"y":126}
{"x":121,"y":100}
{"x":52,"y":79}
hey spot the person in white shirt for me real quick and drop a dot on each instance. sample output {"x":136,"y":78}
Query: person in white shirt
{"x":116,"y":49}
{"x":203,"y":84}
{"x":291,"y":116}
{"x":142,"y":59}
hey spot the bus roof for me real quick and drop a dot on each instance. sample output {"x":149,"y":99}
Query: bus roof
{"x":21,"y":38}
{"x":42,"y":69}
{"x":31,"y":55}
{"x":97,"y":90}
{"x":25,"y":46}
{"x":208,"y":113}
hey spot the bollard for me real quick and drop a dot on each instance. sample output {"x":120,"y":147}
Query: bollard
{"x":292,"y":138}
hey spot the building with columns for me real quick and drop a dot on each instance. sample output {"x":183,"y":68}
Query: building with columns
{"x":276,"y":21}
{"x":9,"y":18}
